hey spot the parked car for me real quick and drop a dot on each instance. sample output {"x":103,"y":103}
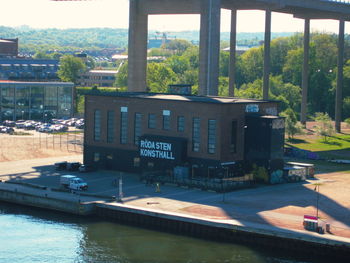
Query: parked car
{"x":61,"y":166}
{"x":85,"y":168}
{"x":8,"y":123}
{"x":8,"y":130}
{"x":20,"y":124}
{"x":74,"y":166}
{"x":29,"y":125}
{"x":73,"y":182}
{"x":78,"y":184}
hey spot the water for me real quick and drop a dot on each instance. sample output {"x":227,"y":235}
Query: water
{"x":33,"y":235}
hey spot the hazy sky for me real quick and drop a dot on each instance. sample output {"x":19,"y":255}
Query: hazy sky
{"x":114,"y":14}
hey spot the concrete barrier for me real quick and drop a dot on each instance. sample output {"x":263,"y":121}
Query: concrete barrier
{"x":72,"y":206}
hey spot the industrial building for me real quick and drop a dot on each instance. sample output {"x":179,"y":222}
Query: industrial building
{"x":202,"y":136}
{"x":101,"y":78}
{"x":35,"y":100}
{"x":19,"y":69}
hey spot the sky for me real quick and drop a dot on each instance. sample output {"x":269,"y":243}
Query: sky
{"x":115,"y":13}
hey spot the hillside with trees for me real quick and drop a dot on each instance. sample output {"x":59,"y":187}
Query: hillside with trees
{"x":181,"y":66}
{"x":32,"y":40}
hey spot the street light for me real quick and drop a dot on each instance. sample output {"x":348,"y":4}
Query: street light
{"x":317,"y":189}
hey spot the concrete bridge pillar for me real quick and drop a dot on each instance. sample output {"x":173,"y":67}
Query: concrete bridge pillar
{"x":137,"y":53}
{"x":339,"y":89}
{"x":267,"y":58}
{"x":305,"y":74}
{"x":232,"y":67}
{"x":209,"y":51}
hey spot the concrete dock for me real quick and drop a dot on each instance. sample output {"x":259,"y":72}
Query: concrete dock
{"x":265,"y":216}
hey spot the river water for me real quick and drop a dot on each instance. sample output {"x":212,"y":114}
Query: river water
{"x":34,"y":235}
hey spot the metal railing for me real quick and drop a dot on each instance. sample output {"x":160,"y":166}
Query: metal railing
{"x":338,"y":1}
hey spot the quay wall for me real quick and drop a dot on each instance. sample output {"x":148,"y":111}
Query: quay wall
{"x":224,"y":232}
{"x":305,"y":246}
{"x":46,"y":202}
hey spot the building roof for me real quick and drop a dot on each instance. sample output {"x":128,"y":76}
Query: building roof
{"x":98,"y":71}
{"x":6,"y":41}
{"x":30,"y":83}
{"x":176,"y":97}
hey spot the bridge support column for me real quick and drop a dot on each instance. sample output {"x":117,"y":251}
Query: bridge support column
{"x":232,"y":68}
{"x":305,"y":74}
{"x":339,"y":89}
{"x":137,"y":50}
{"x":267,"y":58}
{"x":209,"y":51}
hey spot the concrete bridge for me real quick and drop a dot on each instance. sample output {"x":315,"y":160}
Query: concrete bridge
{"x":209,"y":11}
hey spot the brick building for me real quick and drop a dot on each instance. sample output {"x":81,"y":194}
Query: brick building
{"x":211,"y":137}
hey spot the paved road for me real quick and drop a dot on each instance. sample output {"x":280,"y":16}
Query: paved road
{"x":279,"y":206}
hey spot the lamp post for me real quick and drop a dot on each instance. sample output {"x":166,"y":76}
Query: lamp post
{"x":317,"y":189}
{"x":22,"y":114}
{"x":120,"y":196}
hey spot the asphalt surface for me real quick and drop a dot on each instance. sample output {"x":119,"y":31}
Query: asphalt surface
{"x":278,"y":207}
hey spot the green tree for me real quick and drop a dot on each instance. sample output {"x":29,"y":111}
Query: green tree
{"x":325,"y":127}
{"x":70,"y":68}
{"x":159,"y":76}
{"x":122,"y":76}
{"x":251,"y":90}
{"x":252,"y":64}
{"x":41,"y":55}
{"x":192,"y":54}
{"x":178,"y":64}
{"x":177,"y":46}
{"x":346,"y":108}
{"x":292,"y":67}
{"x":291,"y":122}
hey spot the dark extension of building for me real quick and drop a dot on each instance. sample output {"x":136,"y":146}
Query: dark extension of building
{"x":35,"y":100}
{"x":8,"y":47}
{"x":205,"y":137}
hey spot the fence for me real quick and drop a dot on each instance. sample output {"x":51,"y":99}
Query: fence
{"x":214,"y":184}
{"x":67,"y":141}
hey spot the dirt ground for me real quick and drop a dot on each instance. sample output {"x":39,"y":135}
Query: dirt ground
{"x":38,"y":145}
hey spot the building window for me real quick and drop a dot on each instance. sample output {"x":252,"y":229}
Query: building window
{"x":196,"y":129}
{"x":137,"y":128}
{"x":124,"y":125}
{"x":180,"y":123}
{"x":96,"y":157}
{"x":233,"y":145}
{"x":137,"y":162}
{"x":97,"y":125}
{"x":110,"y":126}
{"x":152,"y":121}
{"x":211,"y":136}
{"x":166,"y":120}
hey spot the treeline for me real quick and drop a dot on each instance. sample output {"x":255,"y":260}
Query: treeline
{"x":33,"y":40}
{"x":285,"y":78}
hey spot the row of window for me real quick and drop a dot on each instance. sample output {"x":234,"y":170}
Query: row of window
{"x":152,"y":124}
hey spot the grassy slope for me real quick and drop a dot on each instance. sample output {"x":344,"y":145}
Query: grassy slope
{"x":336,"y":147}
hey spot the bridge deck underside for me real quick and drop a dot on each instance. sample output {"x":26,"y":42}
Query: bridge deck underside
{"x":313,"y":9}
